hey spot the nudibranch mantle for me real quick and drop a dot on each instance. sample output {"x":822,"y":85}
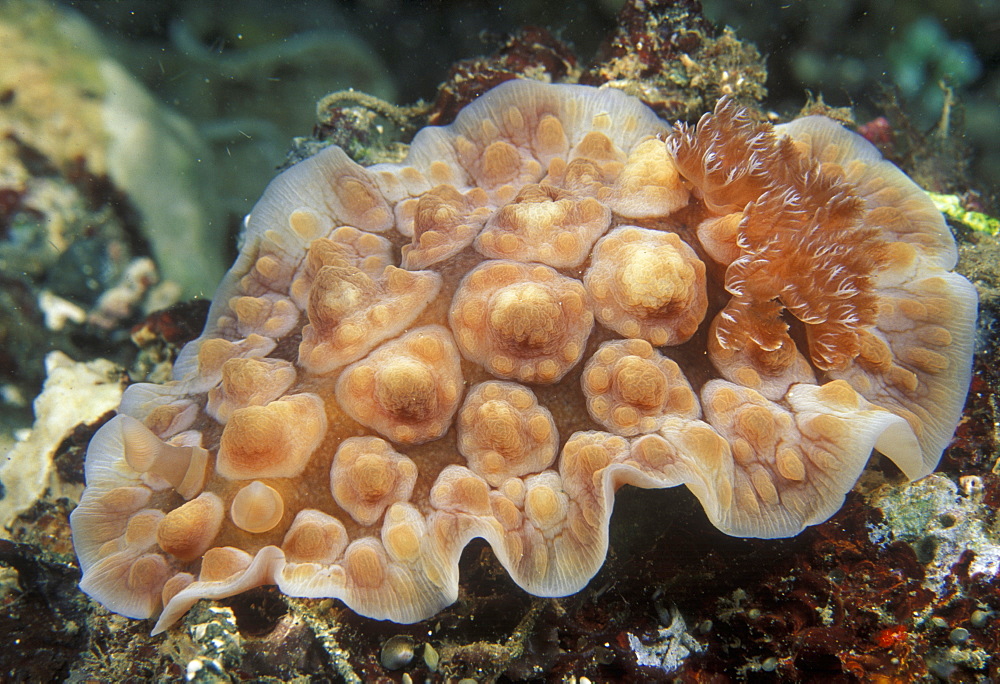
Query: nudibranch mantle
{"x":555,"y":295}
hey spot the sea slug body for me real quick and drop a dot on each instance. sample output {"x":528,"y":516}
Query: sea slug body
{"x":553,"y":296}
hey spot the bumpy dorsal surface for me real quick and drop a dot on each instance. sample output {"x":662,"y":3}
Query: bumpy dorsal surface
{"x":553,"y":296}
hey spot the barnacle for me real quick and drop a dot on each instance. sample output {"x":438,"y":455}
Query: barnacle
{"x":553,"y":296}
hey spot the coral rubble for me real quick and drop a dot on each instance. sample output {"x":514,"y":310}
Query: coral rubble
{"x":97,"y":179}
{"x":73,"y":393}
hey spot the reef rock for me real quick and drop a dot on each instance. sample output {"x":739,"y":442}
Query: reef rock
{"x":553,"y":296}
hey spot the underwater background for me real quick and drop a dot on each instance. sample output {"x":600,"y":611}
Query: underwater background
{"x":260,"y":64}
{"x":135,"y":138}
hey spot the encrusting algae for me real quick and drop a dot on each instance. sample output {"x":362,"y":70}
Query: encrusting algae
{"x":553,"y":296}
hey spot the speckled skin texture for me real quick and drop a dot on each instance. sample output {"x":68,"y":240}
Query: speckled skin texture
{"x":554,"y":296}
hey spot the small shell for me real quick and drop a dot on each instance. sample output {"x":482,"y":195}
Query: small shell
{"x":397,"y":652}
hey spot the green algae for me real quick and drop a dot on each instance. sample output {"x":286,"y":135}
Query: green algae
{"x":951,"y":206}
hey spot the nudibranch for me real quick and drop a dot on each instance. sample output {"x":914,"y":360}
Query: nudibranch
{"x":555,"y":295}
